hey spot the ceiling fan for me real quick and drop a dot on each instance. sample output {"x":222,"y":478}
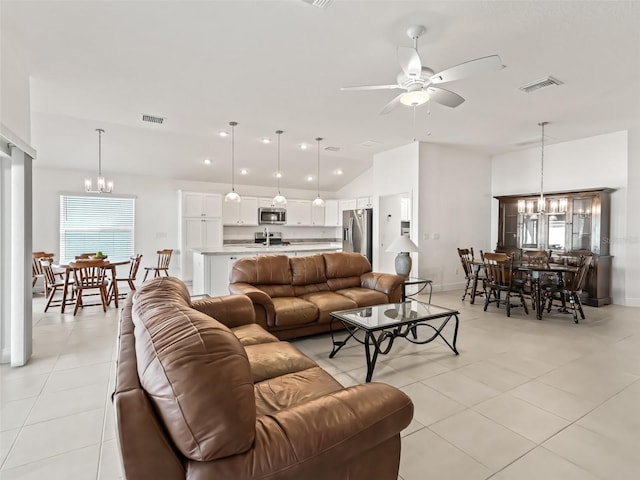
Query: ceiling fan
{"x":419,"y":81}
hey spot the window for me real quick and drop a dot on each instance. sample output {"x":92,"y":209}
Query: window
{"x":96,"y":223}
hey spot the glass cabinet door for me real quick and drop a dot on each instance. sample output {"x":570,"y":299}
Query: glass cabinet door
{"x":530,"y":229}
{"x":557,"y":231}
{"x":582,"y":225}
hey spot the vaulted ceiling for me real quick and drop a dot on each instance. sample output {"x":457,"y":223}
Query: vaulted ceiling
{"x":273,"y":65}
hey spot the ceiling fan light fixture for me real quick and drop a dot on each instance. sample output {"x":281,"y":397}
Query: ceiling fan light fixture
{"x":415,"y":98}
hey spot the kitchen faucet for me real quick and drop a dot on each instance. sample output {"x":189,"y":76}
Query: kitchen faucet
{"x":268,"y":239}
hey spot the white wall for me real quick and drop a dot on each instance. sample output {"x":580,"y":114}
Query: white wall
{"x":632,"y":238}
{"x":455,"y":210}
{"x":15,"y":104}
{"x":361,"y":186}
{"x":157,"y":215}
{"x":600,"y":161}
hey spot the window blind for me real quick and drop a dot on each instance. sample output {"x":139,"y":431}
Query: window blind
{"x":90,"y":224}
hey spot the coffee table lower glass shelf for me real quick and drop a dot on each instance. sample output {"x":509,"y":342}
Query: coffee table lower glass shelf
{"x":382,"y":324}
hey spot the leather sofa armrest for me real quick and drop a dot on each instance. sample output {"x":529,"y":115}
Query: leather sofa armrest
{"x":230,"y":310}
{"x":265,"y":312}
{"x":313,"y":436}
{"x":387,"y":283}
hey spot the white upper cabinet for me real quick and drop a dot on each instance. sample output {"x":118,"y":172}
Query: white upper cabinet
{"x":332,"y":215}
{"x":195,"y":204}
{"x":347,"y":204}
{"x":317,"y":215}
{"x":298,"y":213}
{"x":364,"y":202}
{"x":243,"y":213}
{"x":265,"y":202}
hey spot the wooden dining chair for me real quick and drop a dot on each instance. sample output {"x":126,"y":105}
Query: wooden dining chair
{"x":134,"y":265}
{"x":53,"y":282}
{"x":569,"y":291}
{"x":501,"y":280}
{"x":472,"y":274}
{"x":164,"y":258}
{"x":89,"y":275}
{"x":37,"y":272}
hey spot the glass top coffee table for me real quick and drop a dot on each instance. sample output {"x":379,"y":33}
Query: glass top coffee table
{"x":382,"y":324}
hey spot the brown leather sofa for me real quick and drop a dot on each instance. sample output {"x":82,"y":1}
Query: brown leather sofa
{"x":293,"y":296}
{"x":203,"y":392}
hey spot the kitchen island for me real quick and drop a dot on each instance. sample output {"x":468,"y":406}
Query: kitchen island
{"x":211,"y":266}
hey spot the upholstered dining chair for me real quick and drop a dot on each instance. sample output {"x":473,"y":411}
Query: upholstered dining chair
{"x":134,"y":265}
{"x":89,"y":275}
{"x":164,"y":258}
{"x":501,"y":280}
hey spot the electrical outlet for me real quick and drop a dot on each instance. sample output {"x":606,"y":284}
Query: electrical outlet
{"x":457,"y":271}
{"x":425,"y":236}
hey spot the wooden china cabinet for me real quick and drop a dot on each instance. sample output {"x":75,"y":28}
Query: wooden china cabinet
{"x":571,"y":222}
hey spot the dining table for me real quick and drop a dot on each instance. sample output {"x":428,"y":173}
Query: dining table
{"x":67,"y":271}
{"x":536,"y":274}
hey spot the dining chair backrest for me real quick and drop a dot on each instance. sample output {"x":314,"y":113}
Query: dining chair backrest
{"x":164,"y":258}
{"x":89,"y":273}
{"x":538,"y":258}
{"x":576,"y":282}
{"x":466,"y":258}
{"x":36,"y":266}
{"x":134,"y":266}
{"x":47,"y":269}
{"x":498,"y":268}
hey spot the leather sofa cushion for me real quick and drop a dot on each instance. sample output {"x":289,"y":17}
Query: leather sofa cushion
{"x":364,"y":297}
{"x":277,"y":290}
{"x":294,"y":311}
{"x":272,"y":360}
{"x":308,"y":270}
{"x":176,"y":345}
{"x":328,"y":302}
{"x":336,"y":284}
{"x":293,"y":389}
{"x":262,"y":270}
{"x":345,"y":264}
{"x":253,"y":334}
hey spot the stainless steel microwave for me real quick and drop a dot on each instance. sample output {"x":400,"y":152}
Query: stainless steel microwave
{"x":272,"y":216}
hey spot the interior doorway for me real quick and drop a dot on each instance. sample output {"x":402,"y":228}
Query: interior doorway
{"x":394,"y":220}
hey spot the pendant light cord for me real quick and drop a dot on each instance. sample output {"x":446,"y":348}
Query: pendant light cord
{"x":233,"y":156}
{"x":279,"y":173}
{"x":319,"y":139}
{"x":100,"y":132}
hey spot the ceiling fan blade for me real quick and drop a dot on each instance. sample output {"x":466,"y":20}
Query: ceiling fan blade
{"x":391,"y":105}
{"x":445,"y":97}
{"x":409,"y":61}
{"x":472,"y":67}
{"x":371,"y":87}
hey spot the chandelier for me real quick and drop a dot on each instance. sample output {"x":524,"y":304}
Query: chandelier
{"x":102,"y":186}
{"x":279,"y":200}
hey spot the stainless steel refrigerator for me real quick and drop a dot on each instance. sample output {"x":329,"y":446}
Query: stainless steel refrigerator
{"x":357,"y":232}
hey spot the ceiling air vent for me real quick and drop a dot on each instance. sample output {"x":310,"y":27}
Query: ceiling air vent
{"x":538,"y":84}
{"x":152,"y":119}
{"x":332,"y":149}
{"x":319,"y":3}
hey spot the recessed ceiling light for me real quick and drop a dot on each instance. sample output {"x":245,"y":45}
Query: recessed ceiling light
{"x":244,"y":171}
{"x":265,"y":140}
{"x":223,"y":133}
{"x":310,"y":178}
{"x":338,"y":171}
{"x":304,"y":146}
{"x":207,"y":161}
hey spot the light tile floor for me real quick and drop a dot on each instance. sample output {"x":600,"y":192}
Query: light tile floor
{"x":525,"y":399}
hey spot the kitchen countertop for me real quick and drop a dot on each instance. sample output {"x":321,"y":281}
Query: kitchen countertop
{"x":260,"y":249}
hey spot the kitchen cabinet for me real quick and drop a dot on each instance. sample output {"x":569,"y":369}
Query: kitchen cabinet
{"x":196,"y":204}
{"x":571,"y":222}
{"x":298,"y":213}
{"x":332,"y":216}
{"x":347,"y":204}
{"x":243,"y":213}
{"x":265,"y":202}
{"x":198,"y":233}
{"x":317,"y":215}
{"x":364,"y":202}
{"x":212,"y":273}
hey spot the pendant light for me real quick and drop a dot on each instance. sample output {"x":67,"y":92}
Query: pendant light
{"x":232,"y":196}
{"x":102,"y":185}
{"x":279,"y":200}
{"x":318,"y":202}
{"x":541,"y":200}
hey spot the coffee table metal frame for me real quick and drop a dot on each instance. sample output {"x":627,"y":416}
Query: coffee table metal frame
{"x":422,"y":284}
{"x":382,"y":324}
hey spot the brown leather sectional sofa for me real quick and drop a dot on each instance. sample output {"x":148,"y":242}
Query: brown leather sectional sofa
{"x":293,"y":296}
{"x":203,"y":392}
